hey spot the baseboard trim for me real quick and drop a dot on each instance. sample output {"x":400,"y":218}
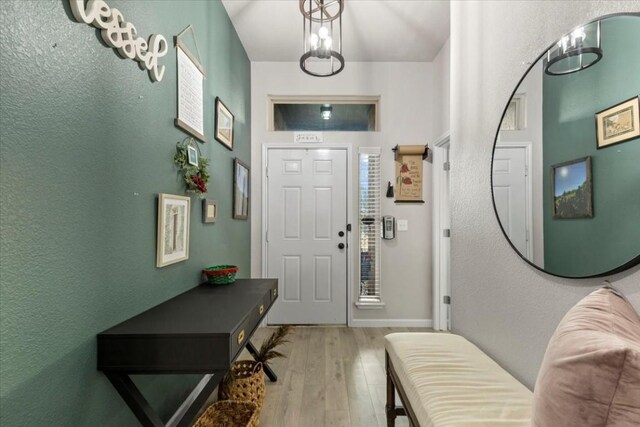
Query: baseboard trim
{"x":391,"y":323}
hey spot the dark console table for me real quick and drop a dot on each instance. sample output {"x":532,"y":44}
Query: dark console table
{"x":202,"y":330}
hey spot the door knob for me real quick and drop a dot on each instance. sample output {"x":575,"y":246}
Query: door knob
{"x":340,"y":245}
{"x":341,"y":233}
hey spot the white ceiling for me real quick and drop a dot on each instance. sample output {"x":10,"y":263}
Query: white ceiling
{"x":373,"y":30}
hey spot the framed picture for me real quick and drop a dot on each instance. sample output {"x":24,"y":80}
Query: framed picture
{"x":619,"y":123}
{"x":173,"y":229}
{"x":224,"y":125}
{"x":192,"y":155}
{"x":571,"y":189}
{"x":190,"y":98}
{"x":241,"y":178}
{"x":209,"y":211}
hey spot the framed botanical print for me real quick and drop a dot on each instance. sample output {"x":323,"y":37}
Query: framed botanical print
{"x":224,"y":125}
{"x":173,"y":229}
{"x":619,"y":123}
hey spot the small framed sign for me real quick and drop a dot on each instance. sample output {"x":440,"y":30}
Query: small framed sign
{"x":303,"y":137}
{"x":209,"y":211}
{"x":192,"y":154}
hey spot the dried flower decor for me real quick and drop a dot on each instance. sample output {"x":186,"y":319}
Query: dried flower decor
{"x":267,"y":349}
{"x":196,"y":176}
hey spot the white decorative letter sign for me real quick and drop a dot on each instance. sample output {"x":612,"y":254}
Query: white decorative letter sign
{"x":307,"y":137}
{"x":122,"y":35}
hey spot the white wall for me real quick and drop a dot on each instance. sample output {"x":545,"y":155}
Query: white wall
{"x":499,"y":302}
{"x":441,"y":89}
{"x":531,"y":88}
{"x":406,"y":117}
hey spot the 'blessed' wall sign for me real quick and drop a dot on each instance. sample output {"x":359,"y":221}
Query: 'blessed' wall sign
{"x":122,"y":35}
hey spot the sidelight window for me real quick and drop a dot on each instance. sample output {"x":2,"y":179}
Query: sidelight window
{"x":369,"y":228}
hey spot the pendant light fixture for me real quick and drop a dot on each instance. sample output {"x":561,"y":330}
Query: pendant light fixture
{"x":575,"y":51}
{"x":322,"y":37}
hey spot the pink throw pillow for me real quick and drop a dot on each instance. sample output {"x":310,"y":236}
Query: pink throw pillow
{"x":590,"y":375}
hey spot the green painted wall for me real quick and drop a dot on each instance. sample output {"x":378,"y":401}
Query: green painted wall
{"x":579,"y":247}
{"x":87,"y":143}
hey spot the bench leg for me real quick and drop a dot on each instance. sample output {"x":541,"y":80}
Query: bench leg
{"x":390,"y":407}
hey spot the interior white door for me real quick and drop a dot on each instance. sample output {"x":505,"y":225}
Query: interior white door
{"x":441,"y":237}
{"x":445,"y":245}
{"x":510,"y":194}
{"x":306,"y":213}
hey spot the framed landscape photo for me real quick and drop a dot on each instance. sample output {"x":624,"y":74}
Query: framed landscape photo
{"x":241,"y":178}
{"x":224,"y":125}
{"x":173,"y":229}
{"x":571,"y":189}
{"x":619,"y":123}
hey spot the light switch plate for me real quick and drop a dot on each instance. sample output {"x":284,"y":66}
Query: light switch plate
{"x":403,"y":225}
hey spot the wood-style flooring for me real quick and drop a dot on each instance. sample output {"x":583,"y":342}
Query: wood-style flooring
{"x":332,"y":376}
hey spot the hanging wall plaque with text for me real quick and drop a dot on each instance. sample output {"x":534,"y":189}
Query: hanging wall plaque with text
{"x":409,"y":173}
{"x":190,"y":94}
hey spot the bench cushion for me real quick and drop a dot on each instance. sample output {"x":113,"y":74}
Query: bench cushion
{"x":450,"y":382}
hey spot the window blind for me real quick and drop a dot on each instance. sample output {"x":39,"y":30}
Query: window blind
{"x":370,"y":226}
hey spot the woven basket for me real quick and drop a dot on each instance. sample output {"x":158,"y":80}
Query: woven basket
{"x":221,"y":274}
{"x":229,"y":413}
{"x":244,"y":383}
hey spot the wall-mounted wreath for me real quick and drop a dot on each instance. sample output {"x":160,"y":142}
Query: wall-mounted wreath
{"x":193,"y":166}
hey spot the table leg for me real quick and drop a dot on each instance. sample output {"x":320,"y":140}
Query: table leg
{"x":186,"y":413}
{"x":267,"y":369}
{"x":135,"y":400}
{"x":148,"y":417}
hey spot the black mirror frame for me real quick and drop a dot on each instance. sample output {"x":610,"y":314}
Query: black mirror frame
{"x":629,"y":264}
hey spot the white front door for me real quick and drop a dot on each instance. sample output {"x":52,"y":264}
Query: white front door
{"x":306,"y":215}
{"x":510,"y":194}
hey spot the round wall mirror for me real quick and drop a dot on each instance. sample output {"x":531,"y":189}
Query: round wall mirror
{"x":566,"y":158}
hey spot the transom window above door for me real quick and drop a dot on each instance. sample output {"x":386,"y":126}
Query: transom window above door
{"x":324,"y":113}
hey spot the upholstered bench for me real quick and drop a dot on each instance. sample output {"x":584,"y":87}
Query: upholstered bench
{"x":443,"y":379}
{"x":590,"y":375}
